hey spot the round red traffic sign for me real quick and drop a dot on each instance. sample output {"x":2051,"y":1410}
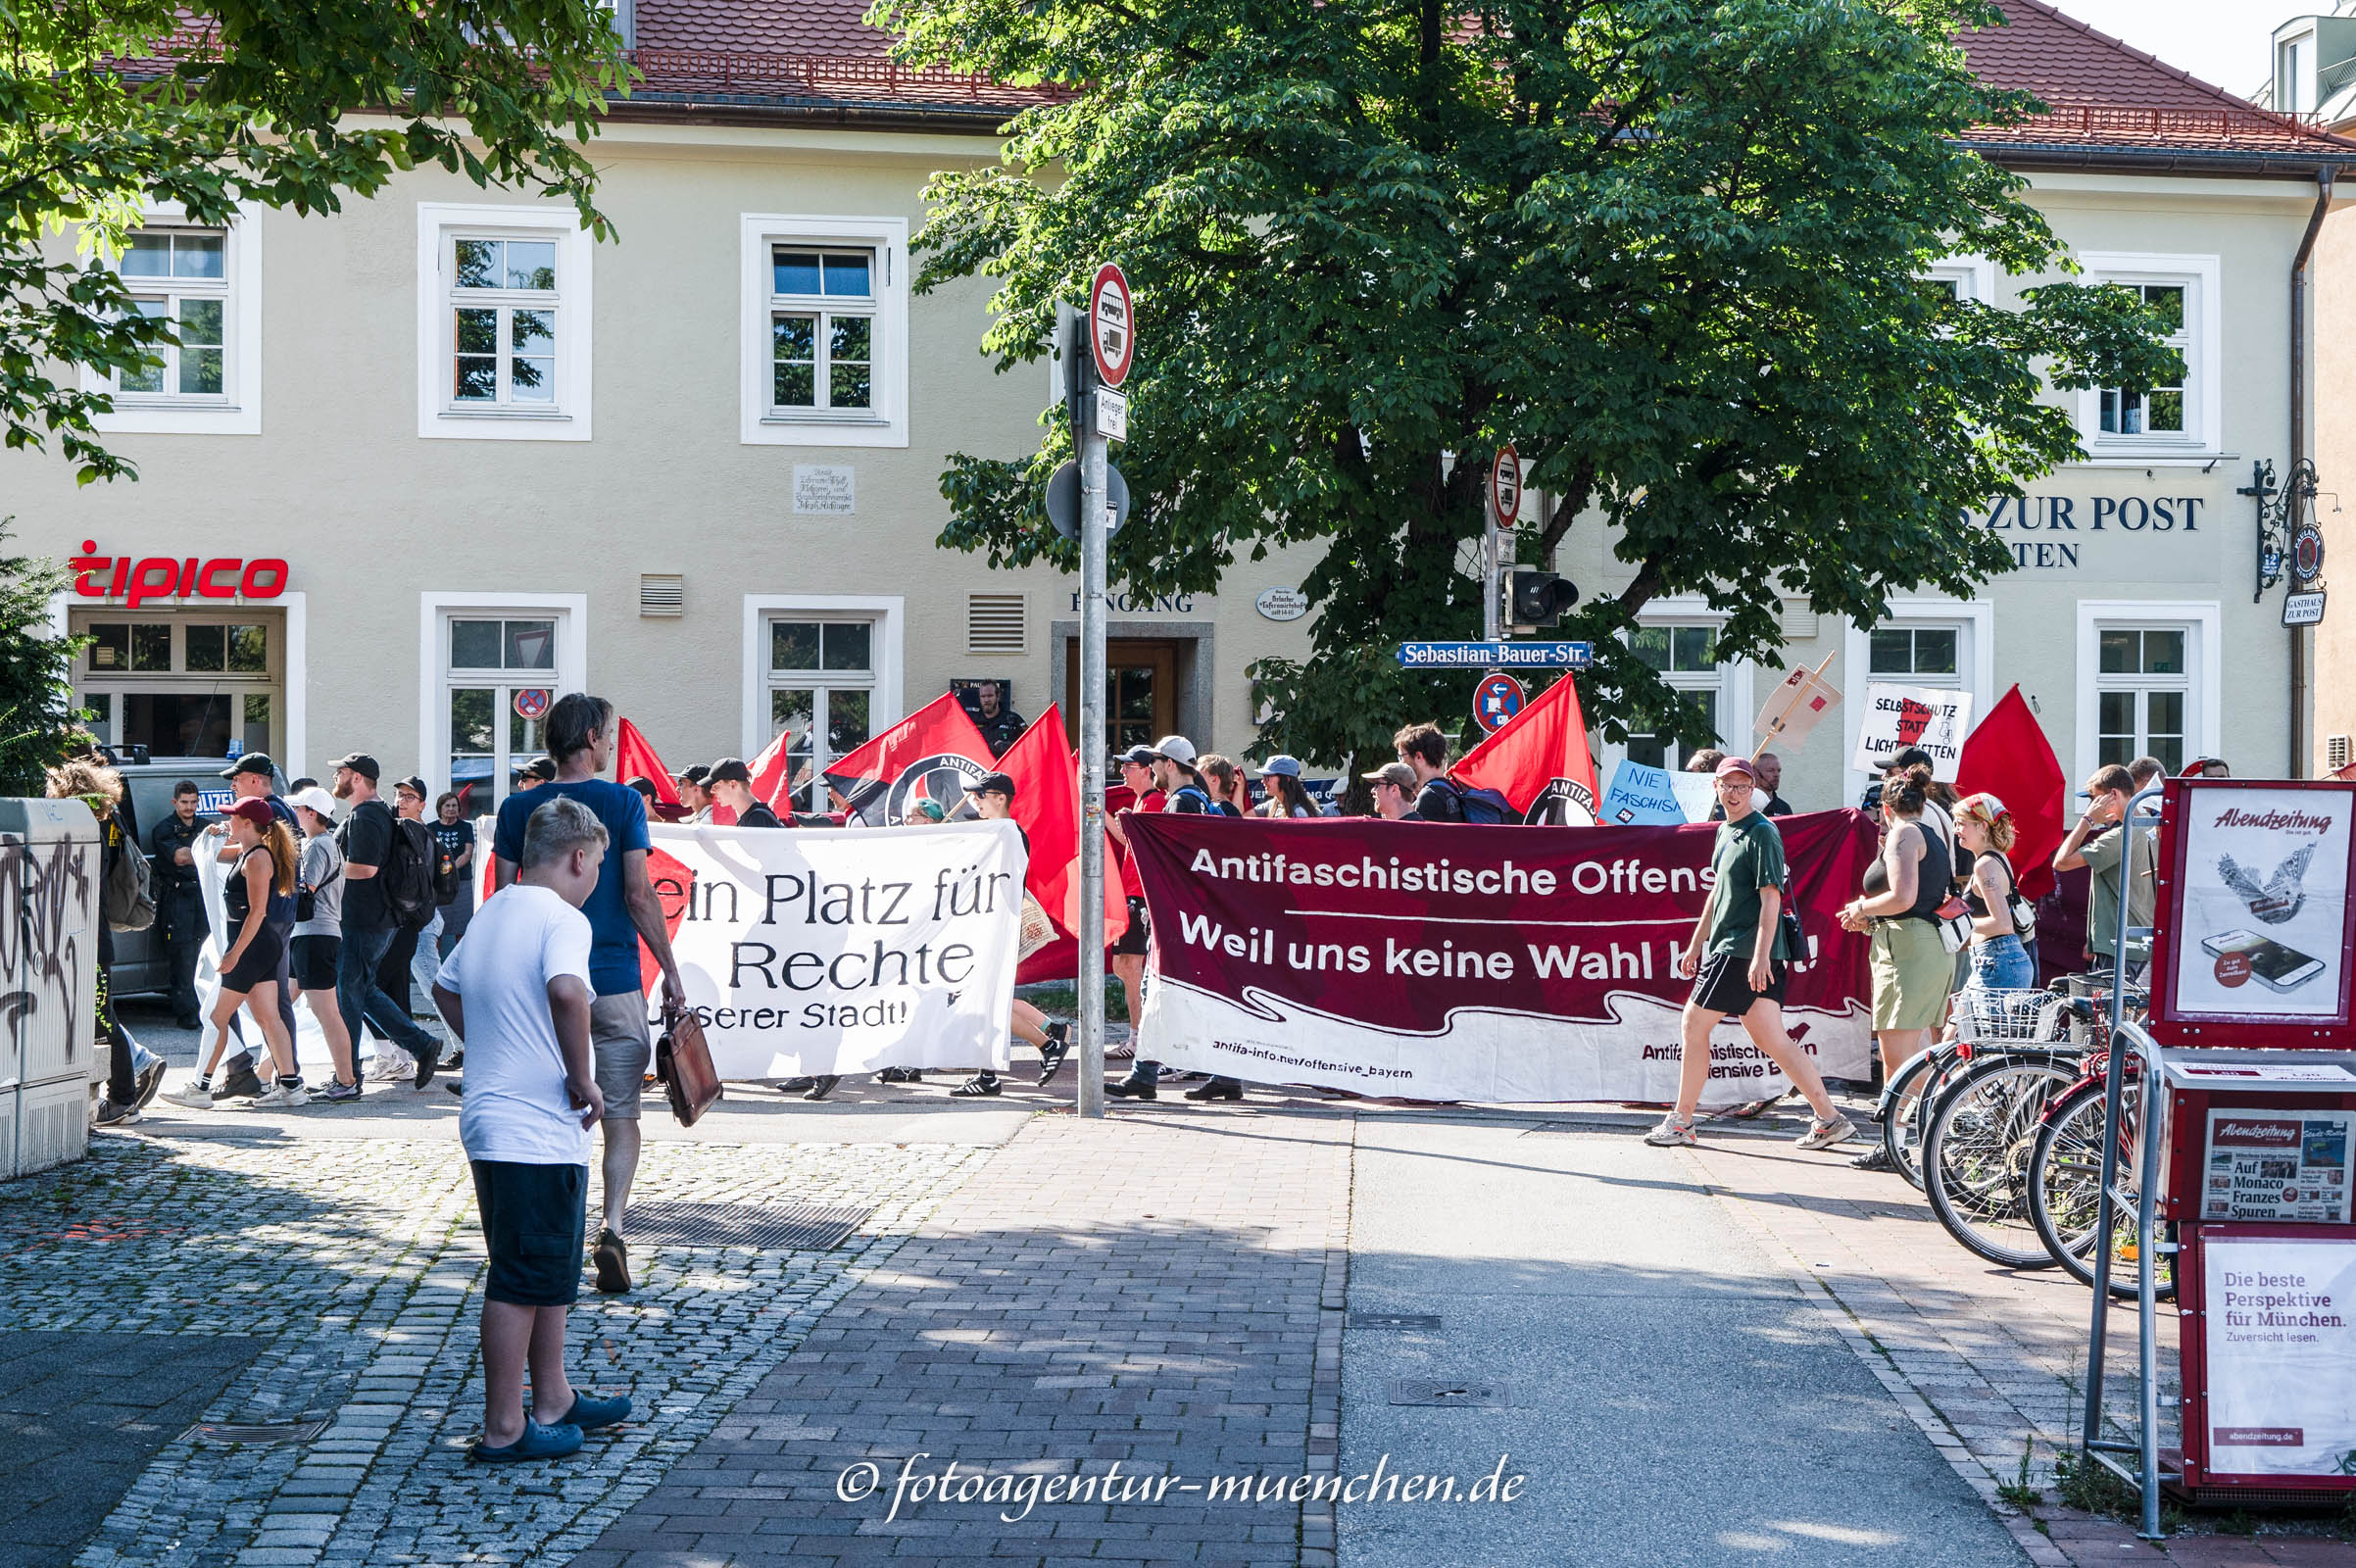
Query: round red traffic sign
{"x":531,"y":701}
{"x":1505,"y":485}
{"x":1497,"y":699}
{"x":2307,"y":553}
{"x":1111,"y":328}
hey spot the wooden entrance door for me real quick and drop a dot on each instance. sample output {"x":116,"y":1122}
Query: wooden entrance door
{"x":1141,"y":691}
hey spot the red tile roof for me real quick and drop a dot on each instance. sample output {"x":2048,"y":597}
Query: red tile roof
{"x":2103,"y":93}
{"x":798,"y":53}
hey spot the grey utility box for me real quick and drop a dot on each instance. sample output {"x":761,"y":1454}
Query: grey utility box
{"x":49,"y":853}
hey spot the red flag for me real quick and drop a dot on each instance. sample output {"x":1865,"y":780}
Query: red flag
{"x":1047,"y":803}
{"x":2009,"y":755}
{"x":772,"y":776}
{"x":1542,"y":745}
{"x":937,"y":744}
{"x":633,"y":757}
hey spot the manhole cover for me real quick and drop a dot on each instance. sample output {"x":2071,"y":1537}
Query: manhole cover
{"x":1424,"y":1322}
{"x":788,"y":1227}
{"x":1440,"y":1390}
{"x":232,"y":1432}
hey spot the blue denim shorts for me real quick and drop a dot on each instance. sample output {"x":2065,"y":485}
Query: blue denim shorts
{"x":2001,"y":963}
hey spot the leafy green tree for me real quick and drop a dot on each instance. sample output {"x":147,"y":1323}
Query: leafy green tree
{"x":1671,"y":250}
{"x":104,"y":103}
{"x":39,"y":721}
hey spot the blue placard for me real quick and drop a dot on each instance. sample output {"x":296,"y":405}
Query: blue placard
{"x":1497,"y":656}
{"x":1640,"y":797}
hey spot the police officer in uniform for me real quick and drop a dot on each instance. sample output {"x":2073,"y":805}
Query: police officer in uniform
{"x":179,"y":899}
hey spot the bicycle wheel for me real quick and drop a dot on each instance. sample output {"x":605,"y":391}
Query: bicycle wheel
{"x":2065,"y":1187}
{"x":1975,"y":1155}
{"x":1907,"y":1104}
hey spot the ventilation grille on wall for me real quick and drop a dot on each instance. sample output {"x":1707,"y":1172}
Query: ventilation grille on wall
{"x":2336,"y":753}
{"x":1798,"y":620}
{"x":661,"y":593}
{"x":996,"y":623}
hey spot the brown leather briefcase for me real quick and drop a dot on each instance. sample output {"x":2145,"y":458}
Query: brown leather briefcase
{"x":683,"y":1063}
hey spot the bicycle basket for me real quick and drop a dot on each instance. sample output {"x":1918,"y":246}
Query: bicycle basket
{"x":1996,"y":1017}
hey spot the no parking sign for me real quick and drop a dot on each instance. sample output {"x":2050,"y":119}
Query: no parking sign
{"x":1497,"y":699}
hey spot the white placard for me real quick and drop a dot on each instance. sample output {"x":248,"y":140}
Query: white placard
{"x":2279,"y":1342}
{"x":1696,"y":795}
{"x":1933,"y":717}
{"x":2265,"y":902}
{"x":825,"y":489}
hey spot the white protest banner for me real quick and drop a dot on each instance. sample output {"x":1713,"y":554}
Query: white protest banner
{"x":2261,"y":923}
{"x":1933,"y":717}
{"x":2279,"y":1343}
{"x":1696,"y":795}
{"x":843,"y":949}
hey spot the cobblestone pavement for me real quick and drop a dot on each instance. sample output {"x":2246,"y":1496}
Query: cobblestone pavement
{"x":358,"y":1271}
{"x":1990,"y":1363}
{"x":1156,"y":1296}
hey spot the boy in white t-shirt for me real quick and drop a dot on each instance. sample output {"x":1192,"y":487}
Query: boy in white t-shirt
{"x":517,"y":991}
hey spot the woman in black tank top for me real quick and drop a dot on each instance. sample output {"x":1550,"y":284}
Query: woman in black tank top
{"x":1903,"y":888}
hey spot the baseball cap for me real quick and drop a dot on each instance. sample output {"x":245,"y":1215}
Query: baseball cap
{"x":1288,"y":766}
{"x":1177,"y":748}
{"x":1905,"y":757}
{"x":539,"y":768}
{"x":360,"y":762}
{"x":1142,"y":756}
{"x":413,"y":784}
{"x":256,"y":812}
{"x":729,"y":769}
{"x":251,"y":763}
{"x":694,"y":774}
{"x":929,"y":808}
{"x":317,"y":799}
{"x":1395,"y":773}
{"x":1002,"y":783}
{"x":1737,"y":765}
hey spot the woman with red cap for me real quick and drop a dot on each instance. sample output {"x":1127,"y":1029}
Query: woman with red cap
{"x":266,"y":864}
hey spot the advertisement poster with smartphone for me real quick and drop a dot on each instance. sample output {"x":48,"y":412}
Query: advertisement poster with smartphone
{"x":2279,"y":1342}
{"x":2264,"y":904}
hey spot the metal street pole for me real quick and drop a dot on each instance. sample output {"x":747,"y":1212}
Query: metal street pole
{"x":1492,"y":609}
{"x":1094,"y":456}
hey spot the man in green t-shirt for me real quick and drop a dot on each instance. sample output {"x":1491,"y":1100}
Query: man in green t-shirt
{"x":2099,"y":842}
{"x":1736,"y":962}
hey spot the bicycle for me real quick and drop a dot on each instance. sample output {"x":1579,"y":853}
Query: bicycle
{"x":2065,"y":1177}
{"x":1993,"y":1023}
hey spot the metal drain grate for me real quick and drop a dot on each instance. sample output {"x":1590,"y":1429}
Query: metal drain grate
{"x":788,"y":1227}
{"x":273,"y":1432}
{"x":1436,"y":1391}
{"x":1413,"y":1322}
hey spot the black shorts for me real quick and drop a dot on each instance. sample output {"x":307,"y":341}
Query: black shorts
{"x":1138,"y":938}
{"x":534,"y":1218}
{"x":261,"y":960}
{"x":1723,"y":984}
{"x":313,"y":962}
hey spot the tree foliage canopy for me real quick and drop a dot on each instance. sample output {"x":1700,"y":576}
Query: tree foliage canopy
{"x":105,"y":104}
{"x":1673,"y":251}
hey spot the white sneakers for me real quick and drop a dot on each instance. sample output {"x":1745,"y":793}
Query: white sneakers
{"x":192,"y":1095}
{"x":1825,"y":1134}
{"x":292,"y":1097}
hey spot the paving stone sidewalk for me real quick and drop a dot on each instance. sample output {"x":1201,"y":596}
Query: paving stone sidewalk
{"x":357,"y":1278}
{"x":1155,"y":1295}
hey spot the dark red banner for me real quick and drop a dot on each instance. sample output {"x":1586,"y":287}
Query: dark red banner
{"x":1493,"y":964}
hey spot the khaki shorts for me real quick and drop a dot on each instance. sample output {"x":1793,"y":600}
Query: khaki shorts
{"x":1913,"y":972}
{"x":620,"y":1049}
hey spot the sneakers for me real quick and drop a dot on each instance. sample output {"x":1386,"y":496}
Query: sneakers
{"x":538,"y":1443}
{"x":612,"y":1261}
{"x":1672,"y":1132}
{"x":111,"y":1114}
{"x":977,"y":1087}
{"x":241,"y":1083}
{"x":151,"y":1081}
{"x":194,"y":1095}
{"x":338,"y":1092}
{"x":282,"y":1097}
{"x":1825,"y":1134}
{"x":823,"y":1085}
{"x":1054,"y":1050}
{"x":1874,"y":1158}
{"x":430,"y":1063}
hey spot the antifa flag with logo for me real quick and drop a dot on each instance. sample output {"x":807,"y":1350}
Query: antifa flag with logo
{"x":1539,"y":761}
{"x":633,"y":758}
{"x":1047,"y":804}
{"x":2009,"y":756}
{"x":933,"y":752}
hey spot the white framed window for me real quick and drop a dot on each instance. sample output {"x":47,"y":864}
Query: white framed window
{"x":824,"y":669}
{"x":824,"y":328}
{"x":1678,"y":636}
{"x":503,"y":324}
{"x":478,"y":653}
{"x":1966,"y":278}
{"x":2182,"y":416}
{"x":2149,"y":681}
{"x":1946,"y":643}
{"x":208,"y":282}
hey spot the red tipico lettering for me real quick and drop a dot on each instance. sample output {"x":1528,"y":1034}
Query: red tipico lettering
{"x":251,"y":584}
{"x":136,"y":581}
{"x":152,"y":578}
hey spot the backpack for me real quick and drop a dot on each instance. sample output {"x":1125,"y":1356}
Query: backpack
{"x":1486,"y":808}
{"x":408,"y":873}
{"x":126,"y":901}
{"x":1200,"y":793}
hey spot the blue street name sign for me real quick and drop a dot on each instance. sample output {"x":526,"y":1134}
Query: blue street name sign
{"x":1497,"y":656}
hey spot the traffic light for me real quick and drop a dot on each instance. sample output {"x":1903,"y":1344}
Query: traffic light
{"x":1540,"y":596}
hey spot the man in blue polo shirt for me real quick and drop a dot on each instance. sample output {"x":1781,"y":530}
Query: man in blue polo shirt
{"x":623,"y":910}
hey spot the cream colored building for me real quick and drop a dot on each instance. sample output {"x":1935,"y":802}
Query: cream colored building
{"x":695,"y":470}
